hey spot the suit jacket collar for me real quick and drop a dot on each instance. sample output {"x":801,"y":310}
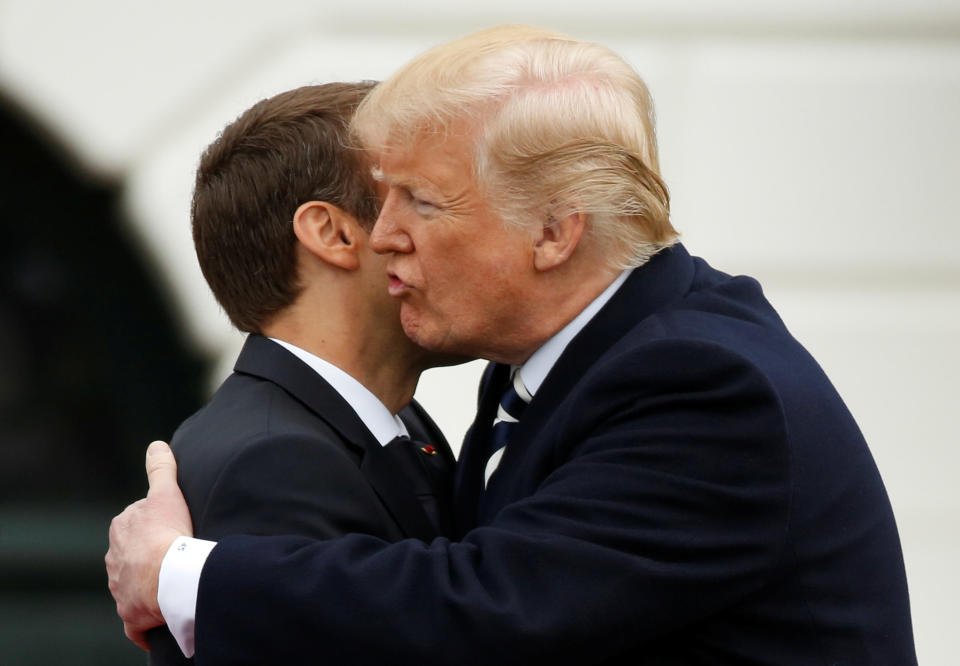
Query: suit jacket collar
{"x":267,"y":360}
{"x":662,"y":280}
{"x":374,"y":414}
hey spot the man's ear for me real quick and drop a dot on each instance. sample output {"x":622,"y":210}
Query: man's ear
{"x":557,"y":239}
{"x":329,"y":233}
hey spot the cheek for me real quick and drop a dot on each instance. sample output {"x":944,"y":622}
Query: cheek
{"x":471,"y":277}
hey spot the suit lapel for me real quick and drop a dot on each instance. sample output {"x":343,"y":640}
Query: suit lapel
{"x":388,"y":469}
{"x":664,"y":279}
{"x":265,"y":359}
{"x":436,"y":460}
{"x":476,"y":444}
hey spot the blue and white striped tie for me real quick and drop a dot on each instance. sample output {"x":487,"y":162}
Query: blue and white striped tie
{"x":515,"y":399}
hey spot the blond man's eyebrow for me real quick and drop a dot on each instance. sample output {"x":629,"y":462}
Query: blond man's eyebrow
{"x":406,"y":183}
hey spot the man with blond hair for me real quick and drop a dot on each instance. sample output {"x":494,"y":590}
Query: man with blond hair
{"x":657,"y":473}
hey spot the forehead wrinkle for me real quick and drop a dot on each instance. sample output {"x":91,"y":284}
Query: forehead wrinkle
{"x":433,"y":168}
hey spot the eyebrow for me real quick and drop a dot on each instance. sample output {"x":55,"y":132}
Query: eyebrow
{"x":406,"y":183}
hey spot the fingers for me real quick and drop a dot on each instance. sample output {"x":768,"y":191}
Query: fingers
{"x":121,"y":578}
{"x":161,"y":468}
{"x":139,"y":637}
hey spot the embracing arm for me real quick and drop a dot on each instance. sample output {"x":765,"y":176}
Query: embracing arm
{"x":292,"y":483}
{"x":666,"y":505}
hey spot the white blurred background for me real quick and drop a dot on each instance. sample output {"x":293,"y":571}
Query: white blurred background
{"x":813,"y":145}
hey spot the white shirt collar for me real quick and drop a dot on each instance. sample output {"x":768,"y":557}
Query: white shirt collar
{"x":535,"y":370}
{"x":379,"y":421}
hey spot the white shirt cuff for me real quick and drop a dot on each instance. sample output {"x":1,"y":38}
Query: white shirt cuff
{"x":177,"y":587}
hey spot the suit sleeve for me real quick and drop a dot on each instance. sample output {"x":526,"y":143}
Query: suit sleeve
{"x":668,"y":500}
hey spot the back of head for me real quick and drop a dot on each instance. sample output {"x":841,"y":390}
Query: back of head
{"x":562,"y":126}
{"x":283,"y":151}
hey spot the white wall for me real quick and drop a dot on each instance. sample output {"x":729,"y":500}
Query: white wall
{"x":815,"y":146}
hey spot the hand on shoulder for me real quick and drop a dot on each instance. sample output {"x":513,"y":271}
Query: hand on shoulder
{"x":139,"y":538}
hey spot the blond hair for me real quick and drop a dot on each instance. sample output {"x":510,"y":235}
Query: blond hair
{"x":562,"y":126}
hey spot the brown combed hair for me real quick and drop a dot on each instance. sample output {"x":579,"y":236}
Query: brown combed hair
{"x":282,"y":152}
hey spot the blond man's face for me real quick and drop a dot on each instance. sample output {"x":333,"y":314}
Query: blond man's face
{"x":457,"y":270}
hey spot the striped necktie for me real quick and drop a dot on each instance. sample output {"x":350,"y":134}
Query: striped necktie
{"x":515,"y":399}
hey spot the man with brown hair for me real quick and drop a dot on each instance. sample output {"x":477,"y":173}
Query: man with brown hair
{"x":302,"y":438}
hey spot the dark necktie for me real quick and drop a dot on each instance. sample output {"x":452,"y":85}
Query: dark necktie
{"x":512,"y":405}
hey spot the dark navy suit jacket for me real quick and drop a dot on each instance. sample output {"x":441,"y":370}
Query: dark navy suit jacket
{"x":686,"y":487}
{"x":278,"y":451}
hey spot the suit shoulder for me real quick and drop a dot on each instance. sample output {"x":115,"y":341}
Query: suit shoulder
{"x":663,"y":368}
{"x":721,"y":318}
{"x":245,"y":408}
{"x":291,"y":477}
{"x":728,"y":310}
{"x":244,"y":415}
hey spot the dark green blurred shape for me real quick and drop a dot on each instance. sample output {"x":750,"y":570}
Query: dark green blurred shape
{"x":93,"y":366}
{"x":55,"y":607}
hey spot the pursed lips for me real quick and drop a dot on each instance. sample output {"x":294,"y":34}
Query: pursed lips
{"x":396,"y":286}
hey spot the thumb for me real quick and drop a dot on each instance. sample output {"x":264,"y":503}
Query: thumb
{"x":161,"y":468}
{"x":164,"y":499}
